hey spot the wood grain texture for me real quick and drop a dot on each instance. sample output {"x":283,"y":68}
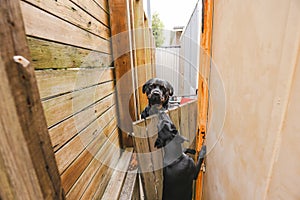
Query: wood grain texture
{"x":41,"y":24}
{"x":59,"y":108}
{"x":97,"y":172}
{"x":175,"y":116}
{"x":203,"y":82}
{"x":150,"y":159}
{"x":66,"y":155}
{"x":64,"y":131}
{"x":103,"y":4}
{"x":110,"y":154}
{"x":57,"y":82}
{"x":28,"y":168}
{"x":93,"y":9}
{"x":73,"y":14}
{"x":130,"y":189}
{"x":123,"y":63}
{"x":115,"y":184}
{"x":188,"y":122}
{"x":52,"y":55}
{"x":184,"y":123}
{"x":81,"y":169}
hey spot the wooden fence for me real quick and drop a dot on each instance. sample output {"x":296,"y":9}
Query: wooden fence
{"x":71,"y":53}
{"x":150,"y":159}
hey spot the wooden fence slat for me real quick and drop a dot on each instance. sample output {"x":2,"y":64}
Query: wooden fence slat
{"x":82,"y":167}
{"x":72,"y":149}
{"x":139,"y":49}
{"x":86,"y":187}
{"x":193,"y":112}
{"x":62,"y":107}
{"x":27,"y":161}
{"x":57,"y":82}
{"x":108,"y":164}
{"x":156,"y":156}
{"x":122,"y":60}
{"x":43,"y":25}
{"x":184,"y":124}
{"x":93,"y":9}
{"x":150,"y":159}
{"x":174,"y":114}
{"x":130,"y":189}
{"x":64,"y":131}
{"x":52,"y":55}
{"x":115,"y":184}
{"x":103,"y":4}
{"x":70,"y":12}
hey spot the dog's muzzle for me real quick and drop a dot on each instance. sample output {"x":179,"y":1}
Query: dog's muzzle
{"x":156,"y":97}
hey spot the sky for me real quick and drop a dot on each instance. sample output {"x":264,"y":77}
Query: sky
{"x":173,"y":12}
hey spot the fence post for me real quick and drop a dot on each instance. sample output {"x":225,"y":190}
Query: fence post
{"x":204,"y":72}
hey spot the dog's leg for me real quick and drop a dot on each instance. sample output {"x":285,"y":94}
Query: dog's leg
{"x":200,"y":161}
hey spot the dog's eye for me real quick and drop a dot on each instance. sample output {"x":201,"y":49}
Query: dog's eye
{"x":152,"y":86}
{"x":162,"y":88}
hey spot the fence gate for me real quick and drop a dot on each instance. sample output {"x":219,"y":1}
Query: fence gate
{"x":150,"y":158}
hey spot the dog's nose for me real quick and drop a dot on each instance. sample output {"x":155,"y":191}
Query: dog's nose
{"x":156,"y":91}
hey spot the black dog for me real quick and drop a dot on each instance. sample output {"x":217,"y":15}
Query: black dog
{"x":158,"y":92}
{"x":179,"y":169}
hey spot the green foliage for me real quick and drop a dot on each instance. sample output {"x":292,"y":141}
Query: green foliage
{"x":157,"y":29}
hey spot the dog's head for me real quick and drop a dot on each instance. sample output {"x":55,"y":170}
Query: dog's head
{"x":158,"y":92}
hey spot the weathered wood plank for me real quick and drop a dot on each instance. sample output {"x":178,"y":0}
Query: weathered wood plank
{"x":108,"y":157}
{"x":82,"y":167}
{"x":150,"y":159}
{"x":184,"y":123}
{"x":193,"y":112}
{"x":52,"y":55}
{"x":64,"y":131}
{"x":93,"y":9}
{"x":67,"y":154}
{"x":41,"y":24}
{"x":122,"y":60}
{"x":85,"y":187}
{"x":115,"y":184}
{"x":103,"y":4}
{"x":139,"y":50}
{"x":62,"y":107}
{"x":174,"y":114}
{"x":27,"y":161}
{"x":130,"y":188}
{"x":156,"y":155}
{"x":72,"y":13}
{"x":56,"y":82}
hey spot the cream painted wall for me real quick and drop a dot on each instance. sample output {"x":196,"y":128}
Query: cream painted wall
{"x":256,"y":54}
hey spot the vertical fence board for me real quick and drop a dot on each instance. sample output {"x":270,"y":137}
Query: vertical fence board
{"x":193,"y":112}
{"x":149,"y":159}
{"x":184,"y":123}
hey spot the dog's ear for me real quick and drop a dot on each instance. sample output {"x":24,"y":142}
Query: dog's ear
{"x":146,"y":85}
{"x":169,"y":88}
{"x":144,"y":88}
